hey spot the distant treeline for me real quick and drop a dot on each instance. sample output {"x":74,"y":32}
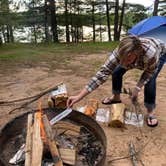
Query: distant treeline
{"x":45,"y":19}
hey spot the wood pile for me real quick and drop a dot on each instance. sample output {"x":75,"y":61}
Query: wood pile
{"x":62,"y":143}
{"x":35,"y":146}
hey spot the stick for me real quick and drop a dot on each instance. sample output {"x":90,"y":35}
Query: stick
{"x":32,"y":99}
{"x":51,"y":142}
{"x":133,"y":154}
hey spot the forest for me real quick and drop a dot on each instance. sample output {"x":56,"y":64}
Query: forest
{"x":43,"y":21}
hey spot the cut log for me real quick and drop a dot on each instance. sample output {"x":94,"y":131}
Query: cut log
{"x":68,"y":155}
{"x":34,"y":144}
{"x":91,"y":107}
{"x":37,"y":144}
{"x":28,"y":147}
{"x":117,"y":115}
{"x":51,"y":142}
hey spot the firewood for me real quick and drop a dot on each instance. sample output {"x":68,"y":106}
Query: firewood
{"x":34,"y":144}
{"x":51,"y":142}
{"x":28,"y":147}
{"x":37,"y":144}
{"x":91,"y":107}
{"x":68,"y":155}
{"x":117,"y":115}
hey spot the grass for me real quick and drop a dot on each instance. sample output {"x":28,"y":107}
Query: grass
{"x":16,"y":56}
{"x":19,"y":52}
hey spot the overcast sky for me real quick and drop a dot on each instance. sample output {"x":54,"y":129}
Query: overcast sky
{"x":146,"y":3}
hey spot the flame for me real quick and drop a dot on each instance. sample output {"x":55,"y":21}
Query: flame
{"x":39,"y":116}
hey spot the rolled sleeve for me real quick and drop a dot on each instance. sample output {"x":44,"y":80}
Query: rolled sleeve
{"x":104,"y":72}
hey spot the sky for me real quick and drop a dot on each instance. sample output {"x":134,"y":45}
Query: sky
{"x":146,"y":3}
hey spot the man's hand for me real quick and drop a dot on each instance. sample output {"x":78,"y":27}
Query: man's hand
{"x":72,"y":100}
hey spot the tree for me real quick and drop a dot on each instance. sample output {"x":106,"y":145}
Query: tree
{"x":116,"y":20}
{"x":67,"y":22}
{"x":162,"y":8}
{"x":134,"y":14}
{"x":121,"y":18}
{"x":53,"y":20}
{"x":108,"y":20}
{"x":155,"y":10}
{"x":46,"y":21}
{"x":6,"y":21}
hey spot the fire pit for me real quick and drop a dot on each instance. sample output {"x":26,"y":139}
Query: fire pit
{"x":13,"y":136}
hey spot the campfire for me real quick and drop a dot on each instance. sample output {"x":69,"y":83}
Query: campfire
{"x":31,"y":140}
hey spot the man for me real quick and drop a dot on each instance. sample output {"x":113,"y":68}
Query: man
{"x":147,"y":54}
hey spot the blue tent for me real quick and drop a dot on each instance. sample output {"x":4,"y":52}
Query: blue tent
{"x":154,"y":26}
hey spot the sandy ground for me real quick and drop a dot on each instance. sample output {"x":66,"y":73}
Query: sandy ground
{"x":30,"y":80}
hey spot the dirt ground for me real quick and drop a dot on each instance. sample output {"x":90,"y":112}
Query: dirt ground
{"x":18,"y":82}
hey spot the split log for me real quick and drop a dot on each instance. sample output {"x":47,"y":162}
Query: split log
{"x":91,"y":107}
{"x":51,"y":142}
{"x":68,"y":155}
{"x":34,"y":144}
{"x":28,"y":147}
{"x":117,"y":115}
{"x":37,"y":145}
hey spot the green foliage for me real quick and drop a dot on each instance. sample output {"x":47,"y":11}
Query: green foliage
{"x":135,"y":13}
{"x":162,"y":7}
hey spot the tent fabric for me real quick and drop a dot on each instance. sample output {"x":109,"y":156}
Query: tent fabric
{"x":158,"y":33}
{"x":147,"y":24}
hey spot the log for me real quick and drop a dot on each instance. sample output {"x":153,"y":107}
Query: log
{"x":37,"y":143}
{"x":34,"y":144}
{"x":28,"y":147}
{"x":91,"y":107}
{"x":68,"y":155}
{"x":51,"y":142}
{"x":117,"y":115}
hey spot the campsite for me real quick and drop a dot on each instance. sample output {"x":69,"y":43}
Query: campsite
{"x":31,"y":71}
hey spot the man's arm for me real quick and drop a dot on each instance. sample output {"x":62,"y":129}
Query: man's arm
{"x":104,"y":72}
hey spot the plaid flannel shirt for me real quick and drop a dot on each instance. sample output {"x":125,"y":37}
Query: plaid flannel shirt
{"x":148,"y":63}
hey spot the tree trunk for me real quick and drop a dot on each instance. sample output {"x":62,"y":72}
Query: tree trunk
{"x":8,"y":34}
{"x":121,"y":19}
{"x":108,"y":21}
{"x":35,"y":34}
{"x":11,"y":34}
{"x":116,"y":20}
{"x":93,"y":22}
{"x":1,"y":40}
{"x":46,"y":22}
{"x":67,"y":22}
{"x":71,"y":22}
{"x":82,"y":34}
{"x":100,"y":29}
{"x":53,"y":21}
{"x":155,"y":10}
{"x":4,"y":35}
